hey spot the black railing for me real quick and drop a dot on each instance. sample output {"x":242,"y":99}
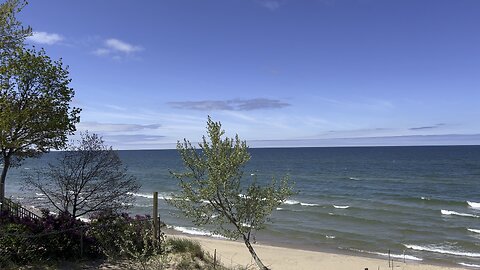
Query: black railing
{"x":16,"y":210}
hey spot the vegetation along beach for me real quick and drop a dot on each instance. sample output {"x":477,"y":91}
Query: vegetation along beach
{"x":253,"y":134}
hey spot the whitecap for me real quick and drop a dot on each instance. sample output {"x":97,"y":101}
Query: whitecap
{"x":443,"y":250}
{"x":196,"y":231}
{"x":341,"y":206}
{"x":308,"y":204}
{"x":474,"y":230}
{"x":148,"y":196}
{"x":354,"y":178}
{"x":425,"y":198}
{"x":291,"y":202}
{"x":86,"y":220}
{"x":398,"y":256}
{"x":470,"y":265}
{"x":279,"y":208}
{"x":449,"y":213}
{"x":474,"y":205}
{"x":40,"y":194}
{"x":330,"y":236}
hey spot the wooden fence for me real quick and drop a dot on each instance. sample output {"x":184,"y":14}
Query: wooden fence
{"x":15,"y":209}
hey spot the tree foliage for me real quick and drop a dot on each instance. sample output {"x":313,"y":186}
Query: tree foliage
{"x":213,"y":191}
{"x":35,"y":96}
{"x":12,"y":33}
{"x":87,"y":178}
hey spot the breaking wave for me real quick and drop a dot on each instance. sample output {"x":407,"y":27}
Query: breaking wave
{"x":474,"y":205}
{"x":397,"y":256}
{"x":195,"y":231}
{"x":474,"y":230}
{"x":453,"y":213}
{"x":443,"y":250}
{"x":341,"y":206}
{"x":470,"y":265}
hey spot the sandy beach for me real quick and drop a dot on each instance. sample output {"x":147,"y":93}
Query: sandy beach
{"x":232,"y":253}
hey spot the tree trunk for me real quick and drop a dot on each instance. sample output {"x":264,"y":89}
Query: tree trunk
{"x":6,"y":165}
{"x":254,"y":254}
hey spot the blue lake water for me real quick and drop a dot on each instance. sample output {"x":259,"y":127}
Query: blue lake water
{"x":421,"y":201}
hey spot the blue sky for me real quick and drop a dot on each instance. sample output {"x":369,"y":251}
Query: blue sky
{"x":277,"y":72}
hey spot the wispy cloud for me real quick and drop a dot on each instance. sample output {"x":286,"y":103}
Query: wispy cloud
{"x":427,"y":127}
{"x":412,"y":140}
{"x":45,"y":38}
{"x":121,"y":46}
{"x":230,"y":105}
{"x":135,"y":138}
{"x":271,"y":4}
{"x":109,"y":127}
{"x":117,"y":49}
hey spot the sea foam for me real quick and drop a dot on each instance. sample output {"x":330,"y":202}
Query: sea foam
{"x":291,"y":202}
{"x":450,"y":213}
{"x":397,"y":256}
{"x":148,"y":196}
{"x":196,"y":231}
{"x":474,"y":205}
{"x":474,"y":230}
{"x":294,"y":202}
{"x":341,"y":206}
{"x":470,"y":265}
{"x":308,"y":204}
{"x":443,"y":250}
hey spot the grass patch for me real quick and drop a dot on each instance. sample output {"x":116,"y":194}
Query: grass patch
{"x":182,"y":245}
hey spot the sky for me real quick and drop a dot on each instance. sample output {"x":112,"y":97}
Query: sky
{"x":279,"y":73}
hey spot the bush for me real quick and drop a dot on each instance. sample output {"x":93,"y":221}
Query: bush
{"x":24,"y":240}
{"x":121,"y":236}
{"x":182,"y":245}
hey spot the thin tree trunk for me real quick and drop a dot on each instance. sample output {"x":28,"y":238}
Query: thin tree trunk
{"x":6,"y":165}
{"x":254,"y":254}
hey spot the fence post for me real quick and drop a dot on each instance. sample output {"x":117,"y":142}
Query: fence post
{"x":155,"y":215}
{"x":214,"y":259}
{"x":81,"y":243}
{"x":389,"y":258}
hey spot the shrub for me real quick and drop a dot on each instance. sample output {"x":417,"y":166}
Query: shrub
{"x":121,"y":236}
{"x":182,"y":245}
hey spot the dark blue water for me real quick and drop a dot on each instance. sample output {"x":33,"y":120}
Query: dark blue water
{"x":424,"y":201}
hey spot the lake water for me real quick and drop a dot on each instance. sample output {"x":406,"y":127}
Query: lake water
{"x":421,"y":201}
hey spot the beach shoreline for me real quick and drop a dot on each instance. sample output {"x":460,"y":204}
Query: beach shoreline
{"x":234,"y":253}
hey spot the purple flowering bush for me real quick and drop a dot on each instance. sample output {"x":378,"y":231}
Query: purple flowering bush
{"x":61,"y":237}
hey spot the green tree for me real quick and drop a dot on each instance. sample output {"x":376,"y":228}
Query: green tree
{"x":213,"y":192}
{"x":35,"y":112}
{"x":12,"y":33}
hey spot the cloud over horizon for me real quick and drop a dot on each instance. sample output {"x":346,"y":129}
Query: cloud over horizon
{"x":109,"y":127}
{"x":230,"y":105}
{"x":45,"y":38}
{"x":427,"y":127}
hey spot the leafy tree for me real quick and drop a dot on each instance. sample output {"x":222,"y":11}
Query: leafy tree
{"x":35,"y":115}
{"x":212,"y":191}
{"x":12,"y":33}
{"x":88,"y":178}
